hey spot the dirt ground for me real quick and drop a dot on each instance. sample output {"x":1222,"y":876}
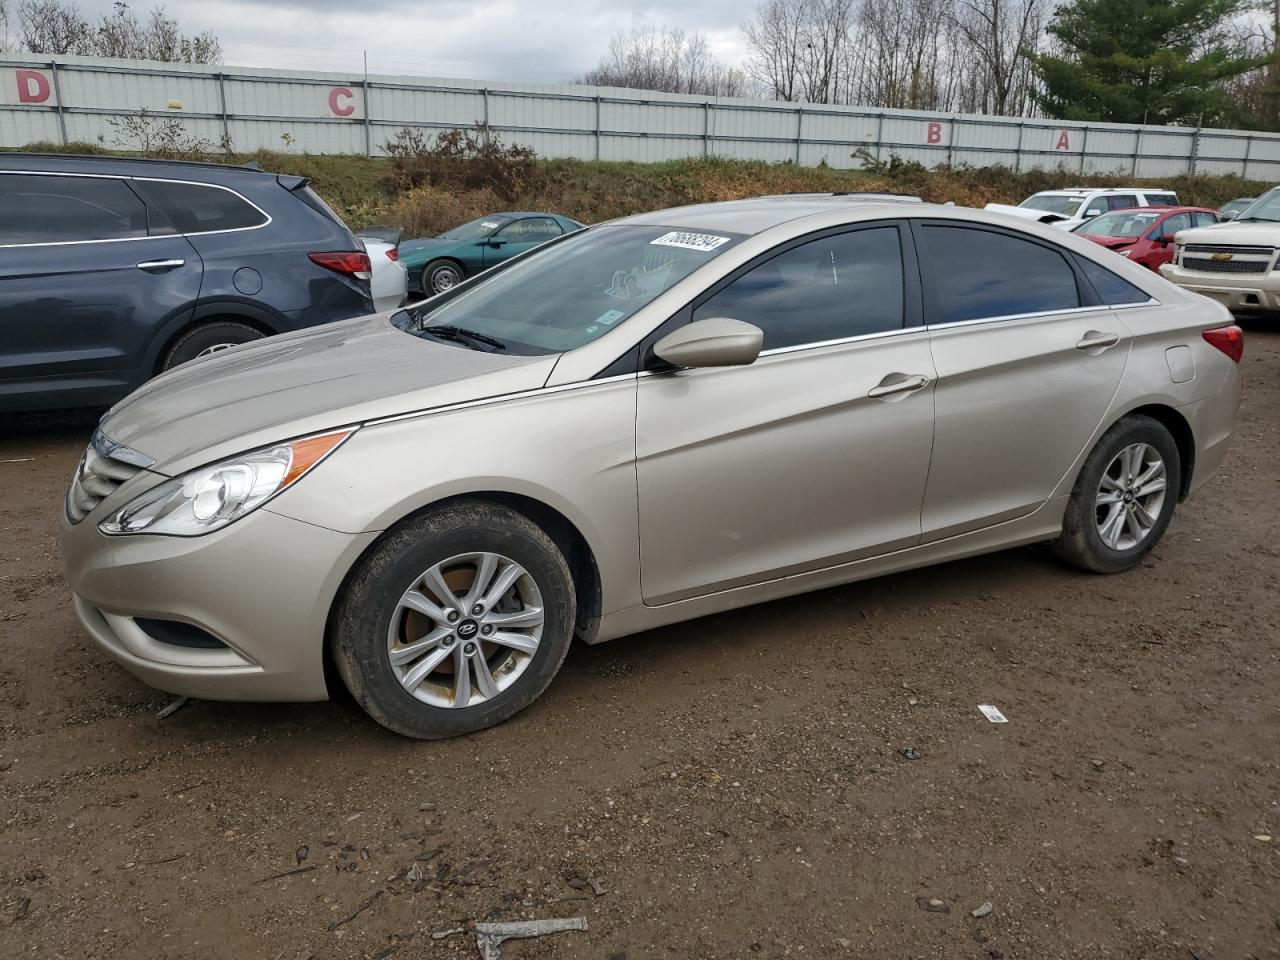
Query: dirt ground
{"x":732,"y":786}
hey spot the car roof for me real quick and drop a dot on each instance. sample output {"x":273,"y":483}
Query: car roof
{"x":1081,"y":191}
{"x":124,"y":166}
{"x":1163,"y":211}
{"x":757,"y":214}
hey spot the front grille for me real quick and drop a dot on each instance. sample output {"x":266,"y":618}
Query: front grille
{"x":104,"y":467}
{"x":1205,"y":265}
{"x":1243,"y":251}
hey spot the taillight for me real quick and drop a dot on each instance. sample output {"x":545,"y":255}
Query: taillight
{"x":1229,"y":339}
{"x":350,"y":262}
{"x":393,"y":254}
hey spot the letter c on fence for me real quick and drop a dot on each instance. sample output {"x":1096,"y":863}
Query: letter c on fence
{"x":933,"y":132}
{"x":341,"y":109}
{"x":1064,"y":141}
{"x":33,"y":86}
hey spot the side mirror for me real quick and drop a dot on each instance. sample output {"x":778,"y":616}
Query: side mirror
{"x":713,"y":342}
{"x":1093,"y":212}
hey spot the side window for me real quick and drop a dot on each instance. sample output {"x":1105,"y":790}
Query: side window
{"x":37,"y":209}
{"x":1204,"y":219}
{"x":1161,"y":200}
{"x":199,"y":208}
{"x":1122,"y":201}
{"x":1181,"y":221}
{"x":1112,"y":290}
{"x":844,"y":285}
{"x":529,"y":230}
{"x":981,"y":274}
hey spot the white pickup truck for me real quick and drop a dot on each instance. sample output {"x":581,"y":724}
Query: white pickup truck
{"x":1233,"y":262}
{"x":1072,"y":206}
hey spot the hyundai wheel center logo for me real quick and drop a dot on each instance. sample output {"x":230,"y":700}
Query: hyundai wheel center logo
{"x":467,"y":629}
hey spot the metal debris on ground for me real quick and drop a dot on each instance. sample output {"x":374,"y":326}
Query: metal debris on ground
{"x":992,"y":713}
{"x":24,"y":907}
{"x":489,"y":936}
{"x":173,"y":708}
{"x":414,"y":874}
{"x":301,"y":853}
{"x":451,"y":932}
{"x":579,"y":882}
{"x":909,"y":753}
{"x":287,"y":873}
{"x":982,"y":910}
{"x":932,"y":905}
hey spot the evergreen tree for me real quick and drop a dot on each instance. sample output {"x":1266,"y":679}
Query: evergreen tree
{"x":1143,"y":61}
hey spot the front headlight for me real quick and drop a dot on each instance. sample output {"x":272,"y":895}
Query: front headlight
{"x":209,"y":498}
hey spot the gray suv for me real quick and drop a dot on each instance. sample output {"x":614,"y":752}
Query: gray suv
{"x":113,"y":270}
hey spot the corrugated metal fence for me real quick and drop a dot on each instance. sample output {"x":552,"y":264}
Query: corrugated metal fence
{"x":73,"y":98}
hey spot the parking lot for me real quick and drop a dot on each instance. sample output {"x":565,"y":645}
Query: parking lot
{"x":729,"y":787}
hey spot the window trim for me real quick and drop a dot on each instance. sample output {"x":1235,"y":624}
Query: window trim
{"x":146,"y":201}
{"x":1089,"y":299}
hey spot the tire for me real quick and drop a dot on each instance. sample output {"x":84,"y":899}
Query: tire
{"x":208,"y":338}
{"x":1085,"y":532}
{"x":441,"y":275}
{"x":372,"y":624}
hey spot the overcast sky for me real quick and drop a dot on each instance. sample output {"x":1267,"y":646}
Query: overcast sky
{"x":534,"y":40}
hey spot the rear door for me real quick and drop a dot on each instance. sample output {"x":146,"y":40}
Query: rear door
{"x":815,"y":454}
{"x":518,"y":236}
{"x":1027,"y":368}
{"x":87,"y":277}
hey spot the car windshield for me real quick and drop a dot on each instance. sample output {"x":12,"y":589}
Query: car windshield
{"x":1266,"y":207}
{"x":476,"y":229}
{"x":1067,"y":206}
{"x":570,"y":291}
{"x":1120,"y":223}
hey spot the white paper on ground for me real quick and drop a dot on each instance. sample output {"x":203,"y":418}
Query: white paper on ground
{"x":992,"y":713}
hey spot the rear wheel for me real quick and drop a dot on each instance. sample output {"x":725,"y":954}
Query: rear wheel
{"x":456,"y":621}
{"x":1123,"y":499}
{"x":208,"y":339}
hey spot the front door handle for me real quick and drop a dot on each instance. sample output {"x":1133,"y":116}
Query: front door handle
{"x":1097,"y":340}
{"x":897,"y":384}
{"x":160,"y":266}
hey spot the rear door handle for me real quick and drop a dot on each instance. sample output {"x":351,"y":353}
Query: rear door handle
{"x":160,"y":266}
{"x":1097,"y":340}
{"x":897,"y":383}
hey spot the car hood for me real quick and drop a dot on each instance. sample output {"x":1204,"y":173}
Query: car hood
{"x":1027,"y":212}
{"x":1110,"y":242}
{"x":428,"y":246}
{"x":1251,"y":233}
{"x":306,"y":382}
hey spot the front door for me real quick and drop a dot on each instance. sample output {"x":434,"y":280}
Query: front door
{"x":84,"y":286}
{"x":1026,"y":371}
{"x":814,"y":455}
{"x":517,"y":237}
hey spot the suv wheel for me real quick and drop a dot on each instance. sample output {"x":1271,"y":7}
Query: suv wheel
{"x":207,"y":339}
{"x":455,"y":621}
{"x":1123,"y":499}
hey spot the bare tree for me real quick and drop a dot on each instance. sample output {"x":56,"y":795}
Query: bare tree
{"x":1000,"y":34}
{"x":665,"y":59}
{"x":52,"y":26}
{"x":776,"y":36}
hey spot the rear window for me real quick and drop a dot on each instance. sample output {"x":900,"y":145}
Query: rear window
{"x":1111,"y":290}
{"x":316,"y":203}
{"x":50,"y":209}
{"x":202,"y":208}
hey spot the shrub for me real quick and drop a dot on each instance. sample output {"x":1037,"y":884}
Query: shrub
{"x":474,"y":159}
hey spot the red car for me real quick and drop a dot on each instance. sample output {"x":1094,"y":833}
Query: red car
{"x":1145,"y":234}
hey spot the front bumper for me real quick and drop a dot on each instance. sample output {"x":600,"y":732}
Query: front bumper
{"x":262,"y":586}
{"x":1243,"y":292}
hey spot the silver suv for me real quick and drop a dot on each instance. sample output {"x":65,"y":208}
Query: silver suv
{"x":644,"y":422}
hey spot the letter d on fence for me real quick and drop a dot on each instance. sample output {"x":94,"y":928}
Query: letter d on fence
{"x":33,"y":86}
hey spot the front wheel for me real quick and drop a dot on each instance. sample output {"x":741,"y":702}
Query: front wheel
{"x":208,"y":339}
{"x":455,"y":621}
{"x":1123,"y":499}
{"x":439,"y":276}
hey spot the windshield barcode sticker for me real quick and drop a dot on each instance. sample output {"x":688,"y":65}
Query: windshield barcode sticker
{"x":689,"y":241}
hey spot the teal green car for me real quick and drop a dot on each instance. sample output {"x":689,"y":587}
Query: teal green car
{"x":435,"y":264}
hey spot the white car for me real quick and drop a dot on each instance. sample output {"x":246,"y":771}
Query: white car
{"x":390,"y":281}
{"x":1234,"y":262}
{"x":1072,"y":206}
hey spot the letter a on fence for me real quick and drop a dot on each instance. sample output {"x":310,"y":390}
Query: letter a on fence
{"x":1064,"y":141}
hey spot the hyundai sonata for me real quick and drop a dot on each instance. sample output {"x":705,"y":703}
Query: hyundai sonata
{"x":643,"y":422}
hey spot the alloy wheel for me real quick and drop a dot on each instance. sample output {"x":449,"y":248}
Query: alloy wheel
{"x":465,"y":630}
{"x":214,"y":348}
{"x":1130,"y":496}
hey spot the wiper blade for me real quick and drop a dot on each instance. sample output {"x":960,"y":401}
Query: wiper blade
{"x":450,"y":332}
{"x":1259,"y":219}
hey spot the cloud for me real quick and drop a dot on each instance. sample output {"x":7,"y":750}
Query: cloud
{"x":531,"y":40}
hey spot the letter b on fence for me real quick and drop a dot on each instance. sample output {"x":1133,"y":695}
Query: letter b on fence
{"x":933,"y":132}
